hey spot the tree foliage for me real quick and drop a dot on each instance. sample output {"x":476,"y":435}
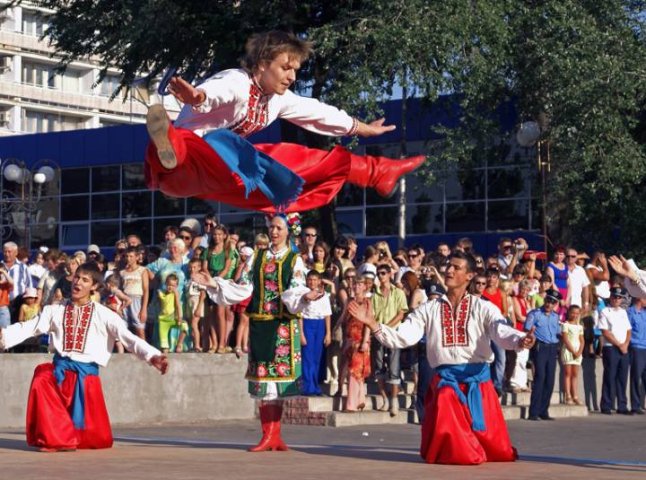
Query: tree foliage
{"x":579,"y":66}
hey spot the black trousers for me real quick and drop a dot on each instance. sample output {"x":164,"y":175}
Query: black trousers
{"x":543,"y":357}
{"x":615,"y":379}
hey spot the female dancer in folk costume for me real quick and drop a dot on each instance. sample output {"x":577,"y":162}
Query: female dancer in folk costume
{"x":463,"y":422}
{"x":233,"y":104}
{"x":275,"y":278}
{"x":66,"y":409}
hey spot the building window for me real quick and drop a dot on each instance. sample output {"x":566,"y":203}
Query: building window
{"x":106,"y":179}
{"x":33,"y":24}
{"x":108,"y":85}
{"x":75,"y":180}
{"x":42,"y":122}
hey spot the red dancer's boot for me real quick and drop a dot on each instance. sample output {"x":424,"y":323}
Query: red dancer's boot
{"x":270,"y":414}
{"x":380,"y":173}
{"x":170,"y":149}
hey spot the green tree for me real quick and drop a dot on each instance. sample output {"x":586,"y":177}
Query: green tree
{"x":578,"y":66}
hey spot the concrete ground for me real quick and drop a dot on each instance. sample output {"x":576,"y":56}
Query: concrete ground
{"x":593,"y":447}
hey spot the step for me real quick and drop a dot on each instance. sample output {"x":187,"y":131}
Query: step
{"x":515,"y":412}
{"x":373,"y":402}
{"x":406,"y":387}
{"x":370,"y":417}
{"x":523,"y":398}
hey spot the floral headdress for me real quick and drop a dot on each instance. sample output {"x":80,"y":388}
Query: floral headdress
{"x":293,"y":221}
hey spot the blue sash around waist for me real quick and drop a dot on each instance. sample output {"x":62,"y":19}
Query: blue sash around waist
{"x":473,"y":374}
{"x":256,"y":169}
{"x":61,"y":364}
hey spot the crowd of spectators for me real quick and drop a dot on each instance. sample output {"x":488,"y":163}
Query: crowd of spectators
{"x":152,"y":289}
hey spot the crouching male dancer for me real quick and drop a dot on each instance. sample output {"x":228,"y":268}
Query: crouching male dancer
{"x":66,"y":409}
{"x":459,"y":327}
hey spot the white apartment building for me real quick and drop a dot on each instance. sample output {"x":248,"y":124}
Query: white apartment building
{"x":34,"y":98}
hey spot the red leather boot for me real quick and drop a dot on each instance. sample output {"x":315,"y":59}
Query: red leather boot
{"x":270,"y":414}
{"x":380,"y":173}
{"x":170,"y":147}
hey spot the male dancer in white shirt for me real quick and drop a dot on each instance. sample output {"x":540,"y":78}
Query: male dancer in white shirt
{"x":235,"y":103}
{"x":66,"y":409}
{"x":463,"y":423}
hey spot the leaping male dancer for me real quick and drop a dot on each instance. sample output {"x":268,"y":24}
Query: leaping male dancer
{"x":235,"y":103}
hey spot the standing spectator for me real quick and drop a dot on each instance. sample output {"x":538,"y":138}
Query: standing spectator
{"x":242,"y":331}
{"x":6,"y":287}
{"x":195,"y":298}
{"x":209,"y":223}
{"x":478,"y":285}
{"x":309,"y":238}
{"x":579,"y":283}
{"x":599,"y":275}
{"x":558,"y":272}
{"x":55,"y":265}
{"x":543,"y":355}
{"x":506,"y":256}
{"x":352,"y":249}
{"x":315,"y":333}
{"x":637,"y":317}
{"x":545,"y":284}
{"x":523,"y":304}
{"x":415,"y":258}
{"x":415,"y":296}
{"x":186,"y":234}
{"x":136,"y":287}
{"x":19,"y":274}
{"x":37,"y":269}
{"x":389,"y":306}
{"x":320,"y":257}
{"x":63,"y":287}
{"x":30,"y":308}
{"x":339,"y":254}
{"x":443,"y":252}
{"x":495,"y":295}
{"x":219,"y":260}
{"x":170,"y":314}
{"x":163,"y":267}
{"x":370,"y":260}
{"x":571,"y":353}
{"x":616,"y":330}
{"x":356,"y":349}
{"x":465,"y":244}
{"x":92,"y":252}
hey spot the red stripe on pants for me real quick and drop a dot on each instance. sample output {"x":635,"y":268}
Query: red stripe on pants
{"x":49,"y":424}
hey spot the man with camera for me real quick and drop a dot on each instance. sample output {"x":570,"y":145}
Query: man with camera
{"x":510,"y":254}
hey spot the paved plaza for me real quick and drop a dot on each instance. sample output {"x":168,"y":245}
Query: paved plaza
{"x":593,"y":447}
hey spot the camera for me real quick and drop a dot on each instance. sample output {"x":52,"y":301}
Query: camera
{"x":519,"y":246}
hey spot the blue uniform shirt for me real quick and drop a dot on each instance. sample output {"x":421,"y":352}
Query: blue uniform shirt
{"x":547,"y":326}
{"x":638,"y":323}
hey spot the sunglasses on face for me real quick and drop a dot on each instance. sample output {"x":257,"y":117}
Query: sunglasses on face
{"x":185,"y":237}
{"x":481,"y":283}
{"x":383,"y":274}
{"x":310,"y":235}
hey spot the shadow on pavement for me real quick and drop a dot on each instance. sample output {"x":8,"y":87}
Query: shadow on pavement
{"x":612,"y":465}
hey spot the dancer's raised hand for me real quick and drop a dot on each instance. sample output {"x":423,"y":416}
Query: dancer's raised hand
{"x":185,"y":92}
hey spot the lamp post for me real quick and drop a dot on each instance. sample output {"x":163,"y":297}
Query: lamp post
{"x":528,"y":135}
{"x":22,"y":190}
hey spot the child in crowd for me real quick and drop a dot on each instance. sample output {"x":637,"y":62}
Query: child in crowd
{"x":30,"y":307}
{"x":170,"y":314}
{"x":116,"y":300}
{"x":572,"y":353}
{"x":242,"y":331}
{"x":195,"y":295}
{"x":356,"y":349}
{"x":136,"y":288}
{"x":315,"y":333}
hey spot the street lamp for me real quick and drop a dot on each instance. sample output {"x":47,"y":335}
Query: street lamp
{"x":21,"y":194}
{"x":528,"y":135}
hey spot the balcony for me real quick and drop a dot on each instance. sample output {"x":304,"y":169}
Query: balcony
{"x":75,"y":101}
{"x":20,"y":41}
